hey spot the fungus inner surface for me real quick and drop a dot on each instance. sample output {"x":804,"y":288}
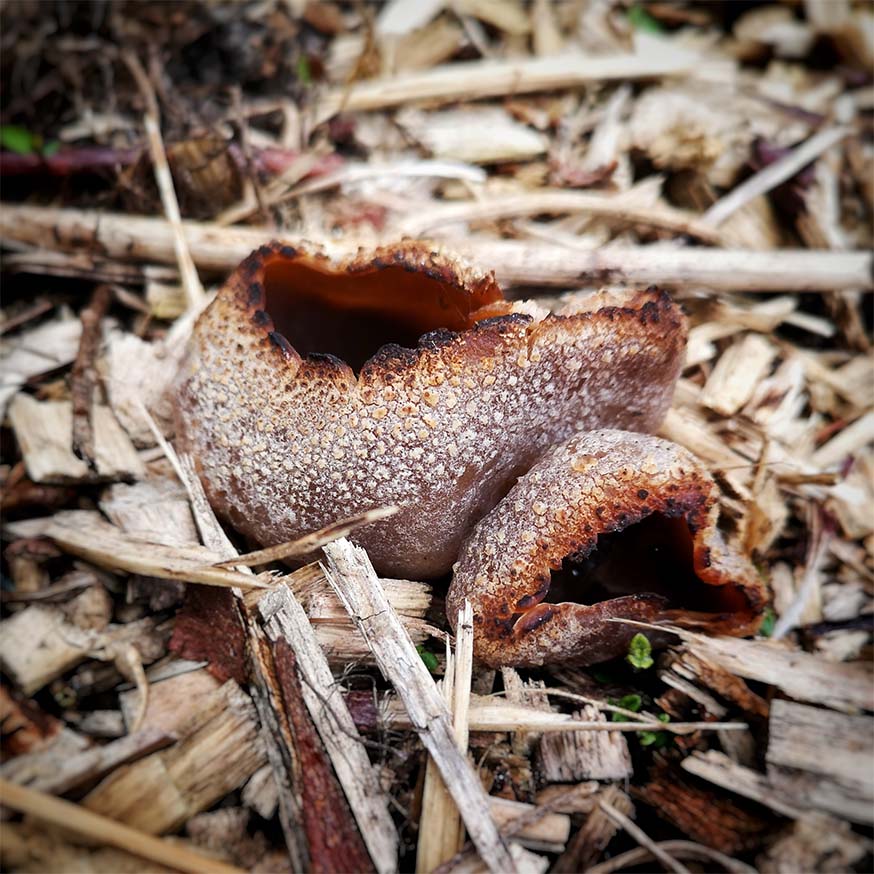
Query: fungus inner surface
{"x":351,"y":315}
{"x":652,"y":556}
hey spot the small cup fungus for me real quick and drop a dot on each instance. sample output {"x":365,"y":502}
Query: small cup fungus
{"x":314,"y":391}
{"x":606,"y":525}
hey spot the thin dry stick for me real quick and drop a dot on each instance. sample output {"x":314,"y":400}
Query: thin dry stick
{"x":310,"y":542}
{"x":516,"y":262}
{"x":478,"y":79}
{"x":71,"y":817}
{"x":356,"y":584}
{"x":670,"y":863}
{"x":546,"y":201}
{"x":83,"y":378}
{"x":441,"y":833}
{"x":516,"y":825}
{"x":681,"y":849}
{"x":194,"y":292}
{"x":771,"y":176}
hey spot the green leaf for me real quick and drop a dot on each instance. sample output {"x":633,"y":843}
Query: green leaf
{"x":656,"y":739}
{"x":769,"y":620}
{"x":641,"y":20}
{"x":631,"y":702}
{"x":640,"y":652}
{"x":647,"y":738}
{"x":428,"y":658}
{"x":52,"y":147}
{"x":17,"y":139}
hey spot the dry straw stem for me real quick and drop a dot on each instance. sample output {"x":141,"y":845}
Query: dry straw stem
{"x":73,"y":818}
{"x":678,"y":849}
{"x":309,"y":542}
{"x":86,"y":534}
{"x":531,"y":203}
{"x":516,"y":262}
{"x":771,"y":176}
{"x":357,"y":585}
{"x":495,"y":715}
{"x":670,"y":863}
{"x":152,"y":121}
{"x":492,"y":78}
{"x":441,"y":833}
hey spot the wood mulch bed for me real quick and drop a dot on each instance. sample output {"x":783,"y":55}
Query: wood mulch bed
{"x":167,"y":698}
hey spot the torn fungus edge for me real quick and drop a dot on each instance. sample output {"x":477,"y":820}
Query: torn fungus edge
{"x":595,"y":483}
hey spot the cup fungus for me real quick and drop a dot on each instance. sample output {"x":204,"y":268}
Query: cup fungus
{"x":315,"y":390}
{"x":607,"y":525}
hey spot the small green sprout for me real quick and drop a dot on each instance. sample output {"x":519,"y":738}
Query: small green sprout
{"x":641,"y":20}
{"x":631,"y":702}
{"x":656,"y":739}
{"x":766,"y":629}
{"x":18,"y":139}
{"x":640,"y":652}
{"x":428,"y":658}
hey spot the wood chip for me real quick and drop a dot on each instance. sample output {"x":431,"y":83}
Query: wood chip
{"x":824,"y":758}
{"x":160,"y":792}
{"x":799,"y":674}
{"x":849,"y":440}
{"x":483,"y":136}
{"x":585,"y":755}
{"x":737,"y":374}
{"x":44,"y":430}
{"x":35,"y":351}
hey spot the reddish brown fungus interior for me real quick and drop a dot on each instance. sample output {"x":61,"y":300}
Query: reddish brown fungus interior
{"x":652,"y":556}
{"x":352,"y":315}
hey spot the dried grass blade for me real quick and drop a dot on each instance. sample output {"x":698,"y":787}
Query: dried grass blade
{"x":774,"y":174}
{"x":310,"y":542}
{"x":72,"y":817}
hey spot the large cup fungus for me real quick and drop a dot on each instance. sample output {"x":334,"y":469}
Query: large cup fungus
{"x":315,"y":390}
